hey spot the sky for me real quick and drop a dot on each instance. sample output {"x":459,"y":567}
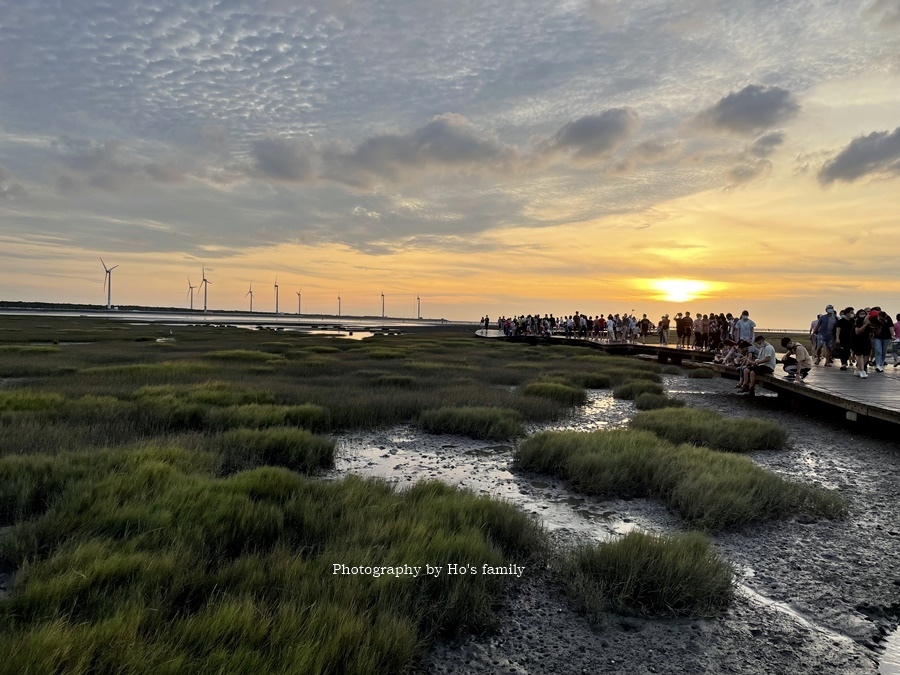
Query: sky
{"x":493,"y":157}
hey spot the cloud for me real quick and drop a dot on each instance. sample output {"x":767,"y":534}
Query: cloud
{"x":877,"y":153}
{"x":887,"y":11}
{"x":284,"y":159}
{"x":9,"y":188}
{"x":751,"y":109}
{"x":747,"y":172}
{"x":447,"y":143}
{"x":652,"y":151}
{"x":766,"y":145}
{"x":593,"y":136}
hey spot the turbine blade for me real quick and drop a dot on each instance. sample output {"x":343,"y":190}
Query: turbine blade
{"x":113,"y":267}
{"x":104,"y":264}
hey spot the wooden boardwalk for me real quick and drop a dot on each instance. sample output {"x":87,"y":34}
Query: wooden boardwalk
{"x":828,"y":389}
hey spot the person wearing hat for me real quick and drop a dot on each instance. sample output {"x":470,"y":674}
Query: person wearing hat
{"x":762,"y":364}
{"x":826,"y":329}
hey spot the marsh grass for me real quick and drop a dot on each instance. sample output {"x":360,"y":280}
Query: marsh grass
{"x":650,"y":401}
{"x":705,"y":427}
{"x":486,"y":423}
{"x":291,"y":448}
{"x":555,"y":391}
{"x":157,"y":566}
{"x":629,"y":390}
{"x":711,"y":490}
{"x":702,"y":373}
{"x":650,"y":575}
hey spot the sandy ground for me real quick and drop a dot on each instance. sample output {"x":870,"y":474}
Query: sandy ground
{"x":813,"y":596}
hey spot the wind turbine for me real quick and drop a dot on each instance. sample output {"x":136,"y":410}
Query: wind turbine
{"x":250,"y":293}
{"x":418,"y":305}
{"x":299,"y":298}
{"x":107,"y":283}
{"x":276,"y":294}
{"x":382,"y":305}
{"x":191,"y":288}
{"x":339,"y":304}
{"x":205,"y":284}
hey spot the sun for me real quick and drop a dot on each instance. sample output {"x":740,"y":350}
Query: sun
{"x":679,"y":290}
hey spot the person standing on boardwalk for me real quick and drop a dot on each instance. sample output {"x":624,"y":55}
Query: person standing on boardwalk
{"x":881,"y":339}
{"x":895,"y":346}
{"x":797,"y":362}
{"x":862,"y":340}
{"x":664,"y":329}
{"x":826,"y":327}
{"x":813,"y":340}
{"x":746,"y":328}
{"x":846,"y":328}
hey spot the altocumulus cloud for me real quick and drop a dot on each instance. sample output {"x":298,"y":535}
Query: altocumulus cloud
{"x":446,"y":143}
{"x":283,"y":159}
{"x":751,"y":109}
{"x":593,"y":136}
{"x":877,"y":153}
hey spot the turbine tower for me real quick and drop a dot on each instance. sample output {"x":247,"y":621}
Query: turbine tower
{"x":205,"y":284}
{"x":299,"y":298}
{"x":250,"y":293}
{"x":339,"y":304}
{"x":418,"y":305}
{"x":191,"y":288}
{"x":276,"y":294}
{"x":107,"y":283}
{"x":382,"y":305}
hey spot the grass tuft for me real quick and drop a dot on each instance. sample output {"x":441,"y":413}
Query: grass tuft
{"x":630,"y":390}
{"x":702,"y":373}
{"x":711,"y":490}
{"x":705,"y":427}
{"x":649,"y":401}
{"x":487,"y":423}
{"x":294,"y":449}
{"x":556,"y":391}
{"x":650,"y":575}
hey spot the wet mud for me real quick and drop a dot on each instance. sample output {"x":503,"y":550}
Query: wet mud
{"x":814,"y":596}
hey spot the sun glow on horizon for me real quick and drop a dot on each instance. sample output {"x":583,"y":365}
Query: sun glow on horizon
{"x":678,"y":290}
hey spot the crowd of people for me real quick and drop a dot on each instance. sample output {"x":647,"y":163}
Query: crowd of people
{"x":856,"y":338}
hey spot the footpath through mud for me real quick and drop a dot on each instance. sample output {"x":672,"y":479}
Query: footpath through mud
{"x":814,"y":596}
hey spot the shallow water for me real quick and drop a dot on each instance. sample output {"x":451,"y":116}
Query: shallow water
{"x":404,"y":455}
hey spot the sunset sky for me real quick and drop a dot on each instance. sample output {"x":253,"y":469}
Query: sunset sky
{"x":495,"y":156}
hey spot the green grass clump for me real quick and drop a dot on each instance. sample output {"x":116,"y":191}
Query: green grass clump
{"x":487,"y":423}
{"x":382,"y":353}
{"x":395,"y":380}
{"x":593,"y":380}
{"x":294,"y":449}
{"x":711,"y":490}
{"x":648,"y":401}
{"x":28,"y":349}
{"x":627,"y":374}
{"x":701,"y":374}
{"x":250,"y":355}
{"x":555,"y":391}
{"x":650,"y":575}
{"x":630,"y":390}
{"x":152,"y":564}
{"x":672,"y":370}
{"x":705,"y":427}
{"x":256,"y":416}
{"x":27,"y":400}
{"x":138,"y":371}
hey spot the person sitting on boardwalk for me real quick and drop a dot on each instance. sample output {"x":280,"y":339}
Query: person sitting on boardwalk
{"x":763,"y":364}
{"x":895,"y":346}
{"x":797,"y":362}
